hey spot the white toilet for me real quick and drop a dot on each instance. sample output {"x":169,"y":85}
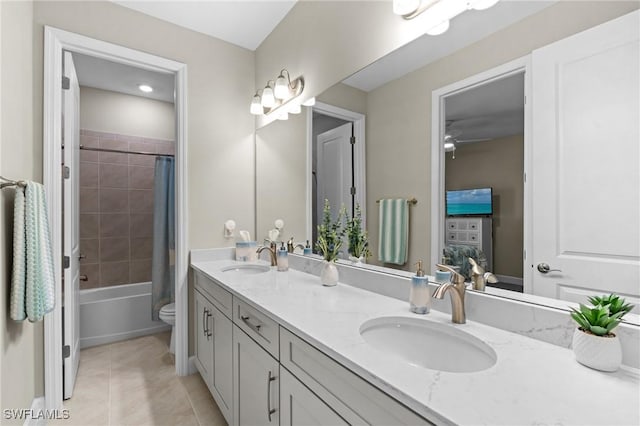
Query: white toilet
{"x":168,"y":315}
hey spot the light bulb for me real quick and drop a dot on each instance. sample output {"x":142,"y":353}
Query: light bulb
{"x":281,"y":90}
{"x":268,"y":100}
{"x":145,"y":88}
{"x":482,"y":4}
{"x":256,"y":105}
{"x":405,"y":7}
{"x":439,"y":29}
{"x":448,"y":146}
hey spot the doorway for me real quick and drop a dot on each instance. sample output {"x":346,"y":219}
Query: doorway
{"x":480,"y":141}
{"x":57,"y":42}
{"x":336,"y":147}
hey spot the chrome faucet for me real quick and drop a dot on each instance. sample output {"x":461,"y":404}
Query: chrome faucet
{"x":456,"y":289}
{"x":272,"y":251}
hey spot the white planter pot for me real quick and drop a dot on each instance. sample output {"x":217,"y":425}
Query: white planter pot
{"x":356,"y":260}
{"x":600,"y":353}
{"x":329,"y":274}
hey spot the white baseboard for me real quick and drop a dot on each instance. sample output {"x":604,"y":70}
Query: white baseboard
{"x":86,"y":342}
{"x":192,"y":365}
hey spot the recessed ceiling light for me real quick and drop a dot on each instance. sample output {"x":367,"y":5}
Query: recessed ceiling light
{"x":145,"y":88}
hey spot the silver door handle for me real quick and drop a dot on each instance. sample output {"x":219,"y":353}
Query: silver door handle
{"x":270,"y":410}
{"x":255,"y":327}
{"x":209,"y":333}
{"x":544,"y":268}
{"x":84,"y":278}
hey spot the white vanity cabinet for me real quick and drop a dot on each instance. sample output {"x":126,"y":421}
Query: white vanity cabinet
{"x":256,"y":396}
{"x":213,"y":350}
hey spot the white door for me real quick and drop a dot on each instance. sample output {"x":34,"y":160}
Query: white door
{"x":334,"y":169}
{"x":586,"y":181}
{"x":71,"y":249}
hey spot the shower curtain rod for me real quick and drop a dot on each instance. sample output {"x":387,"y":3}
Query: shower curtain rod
{"x":118,"y":151}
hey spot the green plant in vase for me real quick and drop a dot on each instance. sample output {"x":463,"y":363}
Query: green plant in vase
{"x":330,"y":234}
{"x":594,"y":343}
{"x":357,"y":237}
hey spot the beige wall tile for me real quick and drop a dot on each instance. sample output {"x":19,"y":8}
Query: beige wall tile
{"x":142,"y":160}
{"x":112,"y":142}
{"x":92,"y":271}
{"x":89,"y":247}
{"x":114,"y":273}
{"x":141,"y":177}
{"x":113,"y":176}
{"x":141,"y":200}
{"x":89,"y":225}
{"x":142,"y":225}
{"x":114,"y":200}
{"x":114,"y":225}
{"x":140,"y":271}
{"x":141,"y":248}
{"x":89,"y":174}
{"x":114,"y":249}
{"x":89,"y":200}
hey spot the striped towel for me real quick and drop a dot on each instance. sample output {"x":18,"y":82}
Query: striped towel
{"x":393,"y":231}
{"x":33,"y":278}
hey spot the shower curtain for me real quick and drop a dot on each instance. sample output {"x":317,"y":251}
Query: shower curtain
{"x":163,"y":262}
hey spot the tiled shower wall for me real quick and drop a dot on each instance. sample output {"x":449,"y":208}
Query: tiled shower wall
{"x":116,"y":208}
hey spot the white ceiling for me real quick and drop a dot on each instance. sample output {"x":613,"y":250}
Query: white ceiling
{"x":244,"y":23}
{"x":107,"y":75}
{"x":490,"y":111}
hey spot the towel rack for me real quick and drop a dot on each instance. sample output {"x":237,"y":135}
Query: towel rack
{"x":411,"y":201}
{"x":10,"y":182}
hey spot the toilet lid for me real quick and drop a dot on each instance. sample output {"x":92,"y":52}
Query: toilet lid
{"x":169,"y":308}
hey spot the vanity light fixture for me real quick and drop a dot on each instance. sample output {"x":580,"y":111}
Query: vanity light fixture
{"x":278,"y":96}
{"x":145,"y":88}
{"x":442,"y":11}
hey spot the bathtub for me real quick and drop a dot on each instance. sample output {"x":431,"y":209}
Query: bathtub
{"x":110,"y":314}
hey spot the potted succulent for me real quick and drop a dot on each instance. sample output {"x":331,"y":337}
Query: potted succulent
{"x":357,"y":238}
{"x":329,"y":242}
{"x":594,"y":343}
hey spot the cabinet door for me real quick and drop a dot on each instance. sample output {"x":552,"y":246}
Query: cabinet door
{"x":204,"y":337}
{"x":223,"y":362}
{"x":300,"y":406}
{"x":256,"y":383}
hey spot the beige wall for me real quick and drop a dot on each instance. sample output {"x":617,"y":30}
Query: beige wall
{"x":220,"y":131}
{"x":21,"y":344}
{"x":220,"y":136}
{"x":281,"y":148}
{"x":498,"y":164}
{"x":399,"y":113}
{"x":326,"y":41}
{"x":112,"y":112}
{"x":346,"y":97}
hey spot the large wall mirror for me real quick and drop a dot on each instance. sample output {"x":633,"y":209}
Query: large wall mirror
{"x":481,"y":139}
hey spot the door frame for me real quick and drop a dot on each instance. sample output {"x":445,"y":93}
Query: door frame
{"x":55,"y":41}
{"x":520,"y":65}
{"x":360,"y":169}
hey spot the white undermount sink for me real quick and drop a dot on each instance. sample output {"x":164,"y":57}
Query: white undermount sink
{"x":429,"y":344}
{"x":249,"y":269}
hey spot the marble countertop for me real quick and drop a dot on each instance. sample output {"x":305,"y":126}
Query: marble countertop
{"x":532,"y":382}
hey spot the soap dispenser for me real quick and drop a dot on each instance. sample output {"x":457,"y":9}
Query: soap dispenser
{"x":283,"y":258}
{"x":420,"y":298}
{"x":307,"y":249}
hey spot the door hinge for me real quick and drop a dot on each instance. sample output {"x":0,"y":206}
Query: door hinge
{"x":66,"y":172}
{"x":352,"y":140}
{"x":525,"y":178}
{"x":66,"y":351}
{"x":353,"y":190}
{"x":66,"y":83}
{"x":524,"y":253}
{"x":66,"y":262}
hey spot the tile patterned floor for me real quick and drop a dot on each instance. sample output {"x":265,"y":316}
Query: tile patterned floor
{"x":134,"y":383}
